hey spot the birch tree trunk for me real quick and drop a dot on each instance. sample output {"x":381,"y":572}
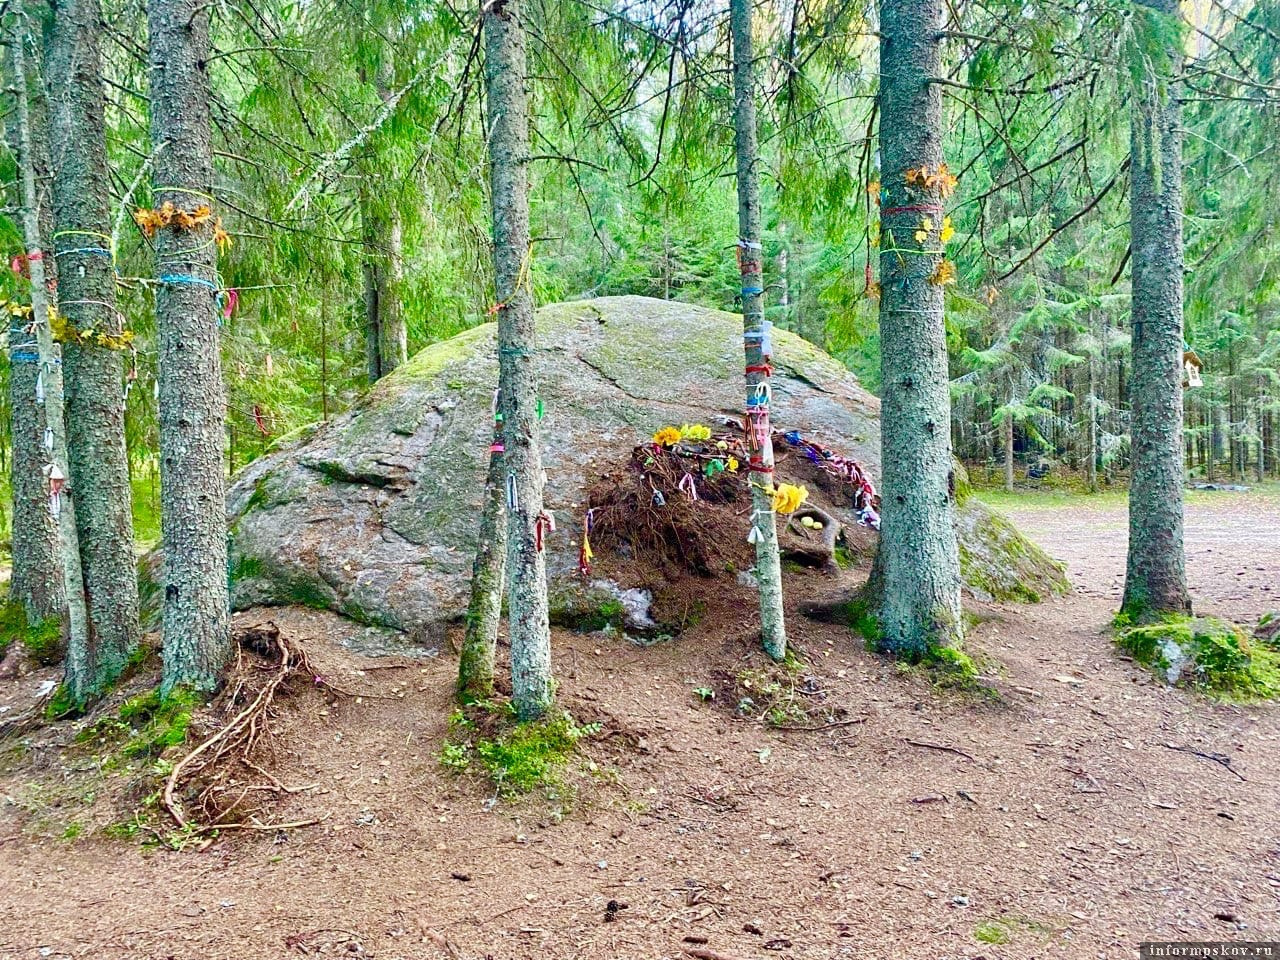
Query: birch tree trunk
{"x":36,"y":580}
{"x":755,"y":334}
{"x":48,"y":389}
{"x":192,"y":405}
{"x":93,"y":369}
{"x":504,"y":71}
{"x":920,"y":606}
{"x":1156,"y":580}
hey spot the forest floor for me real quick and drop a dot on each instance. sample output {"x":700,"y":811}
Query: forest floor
{"x":1082,"y":809}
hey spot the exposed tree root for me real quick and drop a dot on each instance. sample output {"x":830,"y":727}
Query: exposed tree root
{"x":204,"y":775}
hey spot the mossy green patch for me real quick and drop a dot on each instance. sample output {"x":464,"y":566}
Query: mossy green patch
{"x":598,"y":613}
{"x":43,"y":640}
{"x":1209,"y":654}
{"x":992,"y":932}
{"x":145,"y":726}
{"x":516,"y":758}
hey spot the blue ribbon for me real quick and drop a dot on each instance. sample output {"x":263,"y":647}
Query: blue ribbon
{"x":176,"y":279}
{"x":97,"y":251}
{"x":24,"y":356}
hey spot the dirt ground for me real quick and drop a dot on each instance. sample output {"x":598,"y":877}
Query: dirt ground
{"x":1077,"y":815}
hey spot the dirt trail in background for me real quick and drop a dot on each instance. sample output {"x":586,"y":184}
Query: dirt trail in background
{"x":1072,"y":819}
{"x":1232,"y":543}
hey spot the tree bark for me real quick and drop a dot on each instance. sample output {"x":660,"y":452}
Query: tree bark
{"x":36,"y":580}
{"x":1007,"y":427}
{"x":94,"y":373}
{"x":484,"y":612}
{"x":48,"y":389}
{"x":1155,"y":580}
{"x":755,"y":337}
{"x":530,"y":634}
{"x":192,"y":403}
{"x":920,"y":607}
{"x":386,"y":338}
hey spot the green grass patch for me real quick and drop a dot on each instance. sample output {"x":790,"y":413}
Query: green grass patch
{"x":145,"y":726}
{"x":42,"y":640}
{"x":1206,"y":653}
{"x":516,"y":758}
{"x":992,"y":932}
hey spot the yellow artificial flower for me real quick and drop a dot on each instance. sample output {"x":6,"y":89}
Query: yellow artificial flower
{"x":667,"y":437}
{"x":926,"y":228}
{"x":695,"y":432}
{"x":733,"y":464}
{"x":948,"y":231}
{"x":787,"y":497}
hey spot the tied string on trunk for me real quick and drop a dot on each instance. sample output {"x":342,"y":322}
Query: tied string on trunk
{"x":764,"y":336}
{"x":497,"y":446}
{"x":88,"y":250}
{"x":544,"y":525}
{"x":522,"y":281}
{"x":912,"y":208}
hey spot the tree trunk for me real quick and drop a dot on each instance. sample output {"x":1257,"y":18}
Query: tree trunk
{"x":386,"y":338}
{"x":1007,"y":426}
{"x":94,"y":371}
{"x":484,"y":612}
{"x":36,"y":580}
{"x":192,"y":404}
{"x":48,"y":388}
{"x":1155,"y":580}
{"x":756,"y":340}
{"x":505,"y":62}
{"x":1091,"y":448}
{"x":920,"y":606}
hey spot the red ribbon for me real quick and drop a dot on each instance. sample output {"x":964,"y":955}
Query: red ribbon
{"x":545,"y":524}
{"x":764,"y":368}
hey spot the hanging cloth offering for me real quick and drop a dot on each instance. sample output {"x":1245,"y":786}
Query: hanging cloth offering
{"x":57,"y":482}
{"x":688,"y":486}
{"x":585,"y":556}
{"x":546,"y":523}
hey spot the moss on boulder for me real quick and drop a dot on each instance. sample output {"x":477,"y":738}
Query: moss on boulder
{"x":1207,"y":653}
{"x":374,"y":514}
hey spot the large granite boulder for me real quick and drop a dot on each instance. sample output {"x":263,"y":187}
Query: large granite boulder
{"x":374,"y":514}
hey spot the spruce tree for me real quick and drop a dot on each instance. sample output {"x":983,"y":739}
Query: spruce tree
{"x":1156,"y":576}
{"x":93,"y":345}
{"x":917,"y":566}
{"x":192,"y":405}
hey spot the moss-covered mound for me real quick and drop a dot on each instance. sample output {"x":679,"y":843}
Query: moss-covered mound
{"x":374,"y":514}
{"x":1207,"y":653}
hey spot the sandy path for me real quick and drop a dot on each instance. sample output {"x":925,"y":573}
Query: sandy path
{"x":1067,"y":825}
{"x":1232,"y":543}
